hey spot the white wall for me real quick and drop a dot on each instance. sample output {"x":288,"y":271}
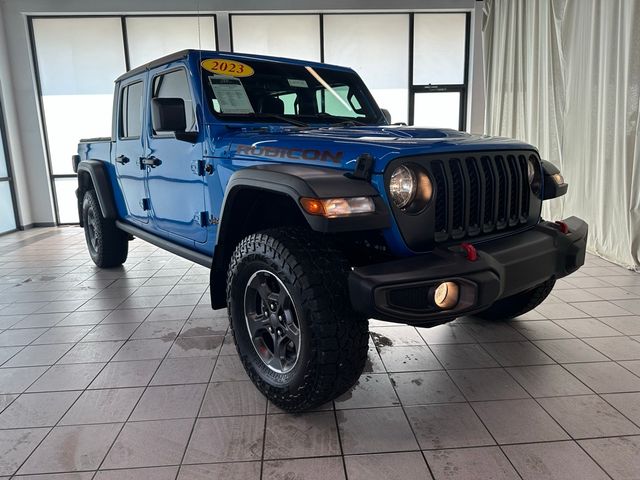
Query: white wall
{"x":21,"y":98}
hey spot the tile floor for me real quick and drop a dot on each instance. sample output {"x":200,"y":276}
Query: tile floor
{"x":127,"y":374}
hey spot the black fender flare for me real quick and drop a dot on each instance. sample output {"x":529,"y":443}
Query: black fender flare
{"x":295,"y":182}
{"x":96,"y":171}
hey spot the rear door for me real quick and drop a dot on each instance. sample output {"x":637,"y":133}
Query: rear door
{"x":130,"y":147}
{"x":175,"y":186}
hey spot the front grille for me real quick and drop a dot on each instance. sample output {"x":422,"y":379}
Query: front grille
{"x":480,"y":195}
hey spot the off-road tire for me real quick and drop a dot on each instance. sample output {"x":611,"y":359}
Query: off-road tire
{"x":334,"y":339}
{"x":518,"y":304}
{"x":108,"y":246}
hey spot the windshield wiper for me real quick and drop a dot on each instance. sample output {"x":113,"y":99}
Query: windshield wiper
{"x":341,"y":123}
{"x":282,"y":118}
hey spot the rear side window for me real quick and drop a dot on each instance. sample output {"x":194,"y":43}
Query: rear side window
{"x":131,"y":111}
{"x":175,"y":85}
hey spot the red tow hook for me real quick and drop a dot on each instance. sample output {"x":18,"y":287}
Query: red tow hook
{"x":470,"y":251}
{"x":563,"y":227}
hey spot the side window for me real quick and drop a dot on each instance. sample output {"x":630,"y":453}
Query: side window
{"x":289,"y":101}
{"x":338,"y":102}
{"x":131,"y":111}
{"x":175,"y":85}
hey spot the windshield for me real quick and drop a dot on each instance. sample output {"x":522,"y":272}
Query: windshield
{"x":270,"y":91}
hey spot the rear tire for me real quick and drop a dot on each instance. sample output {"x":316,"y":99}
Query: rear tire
{"x":518,"y":304}
{"x":108,"y":246}
{"x":332,"y":340}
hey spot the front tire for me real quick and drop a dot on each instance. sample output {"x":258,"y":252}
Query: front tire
{"x":518,"y":304}
{"x":296,"y":334}
{"x":108,"y":246}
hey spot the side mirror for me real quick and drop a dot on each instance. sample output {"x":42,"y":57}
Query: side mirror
{"x":168,"y":115}
{"x":387,"y":115}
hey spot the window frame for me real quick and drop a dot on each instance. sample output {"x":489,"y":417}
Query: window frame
{"x":120,"y":116}
{"x":152,"y":81}
{"x":9,"y":178}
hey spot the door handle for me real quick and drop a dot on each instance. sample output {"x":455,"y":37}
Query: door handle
{"x":122,"y":159}
{"x":150,"y":162}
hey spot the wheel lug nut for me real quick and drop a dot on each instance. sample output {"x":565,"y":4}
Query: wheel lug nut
{"x":270,"y":329}
{"x":280,"y":317}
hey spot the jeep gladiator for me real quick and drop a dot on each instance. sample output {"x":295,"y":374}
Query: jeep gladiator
{"x":315,"y":213}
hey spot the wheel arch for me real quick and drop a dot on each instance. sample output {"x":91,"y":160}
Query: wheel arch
{"x":269,"y":196}
{"x":93,"y":174}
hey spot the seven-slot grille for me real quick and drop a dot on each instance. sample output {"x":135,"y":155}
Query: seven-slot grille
{"x":480,"y":194}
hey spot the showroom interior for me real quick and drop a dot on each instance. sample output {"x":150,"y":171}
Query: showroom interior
{"x":127,"y":372}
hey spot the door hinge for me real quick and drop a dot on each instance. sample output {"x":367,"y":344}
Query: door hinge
{"x":145,"y":203}
{"x":201,"y":167}
{"x":204,"y":219}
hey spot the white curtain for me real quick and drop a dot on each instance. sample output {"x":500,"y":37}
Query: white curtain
{"x":564,"y":75}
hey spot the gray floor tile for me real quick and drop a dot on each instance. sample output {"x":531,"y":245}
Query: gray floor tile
{"x":229,"y":368}
{"x":387,"y":466}
{"x":115,"y":331}
{"x":62,"y":335}
{"x":147,"y":349}
{"x":75,"y":376}
{"x":102,"y":406}
{"x":409,"y":359}
{"x":548,"y":381}
{"x":149,"y":444}
{"x":463,"y":356}
{"x":588,"y":416}
{"x":83,"y":318}
{"x":620,"y":457}
{"x":207,"y":346}
{"x":7,"y":352}
{"x":421,"y":388}
{"x":518,"y":421}
{"x":132,"y":315}
{"x":587,"y":327}
{"x":163,"y":330}
{"x":16,"y":446}
{"x":616,"y":348}
{"x":68,"y":449}
{"x":14,"y":338}
{"x":37,"y":409}
{"x":233,"y":398}
{"x":542,"y":330}
{"x":160,"y":314}
{"x":6,"y":400}
{"x":360,"y":431}
{"x":511,"y":354}
{"x":553,"y":461}
{"x":91,"y":352}
{"x":148,"y":473}
{"x":16,"y":380}
{"x":487,"y":384}
{"x":34,"y":355}
{"x":126,"y":374}
{"x":605,"y":377}
{"x":226,"y":471}
{"x":627,"y":325}
{"x":226,"y":439}
{"x":308,"y":434}
{"x":468,"y":463}
{"x":395,"y":336}
{"x":39,"y":320}
{"x":570,"y":350}
{"x":371,"y":390}
{"x":447,"y":426}
{"x":486,"y":331}
{"x":168,"y":402}
{"x":606,"y":309}
{"x":304,"y":469}
{"x":57,"y":476}
{"x":174,"y":371}
{"x":449,"y":333}
{"x":627,"y":403}
{"x":632,"y":365}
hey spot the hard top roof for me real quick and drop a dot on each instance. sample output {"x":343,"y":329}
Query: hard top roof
{"x":182,"y":54}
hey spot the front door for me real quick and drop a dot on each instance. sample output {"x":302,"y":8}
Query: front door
{"x":129,"y":148}
{"x":175,"y":186}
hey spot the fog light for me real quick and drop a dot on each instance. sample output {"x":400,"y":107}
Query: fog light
{"x":446,"y":295}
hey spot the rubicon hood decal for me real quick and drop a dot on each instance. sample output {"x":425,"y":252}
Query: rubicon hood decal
{"x":310,"y":154}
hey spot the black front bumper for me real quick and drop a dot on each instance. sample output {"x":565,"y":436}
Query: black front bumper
{"x":398,"y":291}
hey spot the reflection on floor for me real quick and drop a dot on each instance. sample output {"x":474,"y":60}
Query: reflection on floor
{"x":128,"y":373}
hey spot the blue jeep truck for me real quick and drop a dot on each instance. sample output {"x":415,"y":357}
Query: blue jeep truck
{"x":315,"y":213}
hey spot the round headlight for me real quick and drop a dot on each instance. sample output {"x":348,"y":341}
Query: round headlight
{"x":402,"y":186}
{"x":531,"y":170}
